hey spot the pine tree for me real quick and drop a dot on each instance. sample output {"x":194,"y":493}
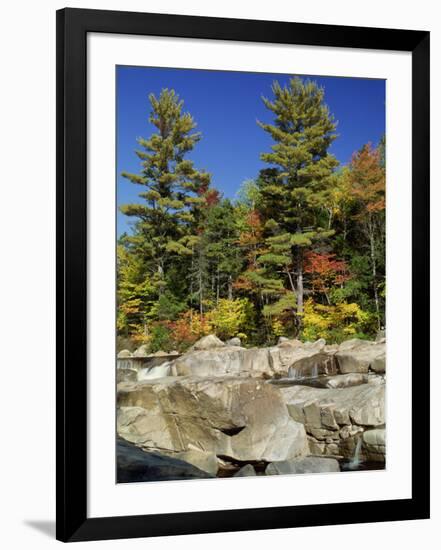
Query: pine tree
{"x":221,"y":235}
{"x":292,"y":190}
{"x":174,"y":189}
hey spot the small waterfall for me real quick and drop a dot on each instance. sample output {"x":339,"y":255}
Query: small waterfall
{"x":356,"y":461}
{"x":300,"y":374}
{"x":150,"y":373}
{"x":294,"y":373}
{"x":125,"y":363}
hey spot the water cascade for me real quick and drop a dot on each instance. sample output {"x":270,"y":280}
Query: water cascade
{"x":294,"y":373}
{"x":150,"y":373}
{"x":355,"y":462}
{"x":302,"y":374}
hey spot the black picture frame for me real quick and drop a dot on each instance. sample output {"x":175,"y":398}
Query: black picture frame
{"x":72,"y":28}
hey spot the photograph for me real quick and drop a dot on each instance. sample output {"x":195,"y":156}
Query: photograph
{"x":251,"y":276}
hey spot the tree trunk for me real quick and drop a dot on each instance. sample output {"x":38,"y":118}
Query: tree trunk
{"x":374,"y":269}
{"x":330,"y":216}
{"x":161,"y":276}
{"x":201,"y":307}
{"x":230,"y":287}
{"x":300,"y":292}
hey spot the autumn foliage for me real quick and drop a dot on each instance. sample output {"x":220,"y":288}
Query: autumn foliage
{"x":299,"y":252}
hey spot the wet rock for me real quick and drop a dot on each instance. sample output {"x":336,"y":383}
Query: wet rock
{"x":346,"y":380}
{"x":135,"y":465}
{"x":205,"y":461}
{"x":126,"y":375}
{"x":312,"y":366}
{"x":246,"y":471}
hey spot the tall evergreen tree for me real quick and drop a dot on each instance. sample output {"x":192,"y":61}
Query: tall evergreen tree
{"x":173,"y":188}
{"x":291,"y":191}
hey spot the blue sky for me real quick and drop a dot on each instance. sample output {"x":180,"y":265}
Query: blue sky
{"x":225,"y":106}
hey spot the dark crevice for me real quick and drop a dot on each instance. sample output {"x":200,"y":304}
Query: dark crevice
{"x":231,"y":431}
{"x":232,"y":465}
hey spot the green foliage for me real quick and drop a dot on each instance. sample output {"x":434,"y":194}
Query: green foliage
{"x":167,"y":307}
{"x":160,"y":338}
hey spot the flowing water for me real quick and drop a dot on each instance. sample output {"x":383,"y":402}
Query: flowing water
{"x":355,"y":462}
{"x":150,"y":373}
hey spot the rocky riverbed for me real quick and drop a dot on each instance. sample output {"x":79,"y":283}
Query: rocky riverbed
{"x":222,"y":410}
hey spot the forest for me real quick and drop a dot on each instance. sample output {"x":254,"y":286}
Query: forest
{"x":300,"y":251}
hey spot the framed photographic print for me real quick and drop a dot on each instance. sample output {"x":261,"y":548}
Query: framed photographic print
{"x":242,"y":275}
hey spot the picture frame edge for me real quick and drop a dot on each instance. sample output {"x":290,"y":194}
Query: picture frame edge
{"x":72,"y":523}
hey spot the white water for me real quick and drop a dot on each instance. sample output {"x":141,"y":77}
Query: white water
{"x":150,"y":373}
{"x":297,"y":374}
{"x":125,"y":363}
{"x":356,"y":461}
{"x":294,"y":373}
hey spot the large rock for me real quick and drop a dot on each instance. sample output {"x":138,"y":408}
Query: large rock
{"x":234,"y":342}
{"x":208,"y":342}
{"x":379,"y":362}
{"x":354,"y":343}
{"x":325,"y":408}
{"x":374,"y":444}
{"x":255,"y":362}
{"x":333,"y":418}
{"x":124,"y":353}
{"x":126,"y":375}
{"x":282,"y":357}
{"x":243,"y":419}
{"x":229,"y":360}
{"x":292,"y":357}
{"x":135,"y":465}
{"x":142,"y":351}
{"x":311,"y":366}
{"x":361,"y":357}
{"x":306,"y":465}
